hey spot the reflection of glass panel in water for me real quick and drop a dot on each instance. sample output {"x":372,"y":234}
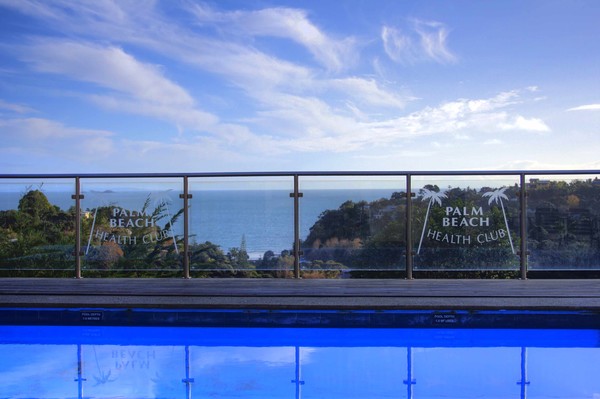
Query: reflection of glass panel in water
{"x":50,"y":362}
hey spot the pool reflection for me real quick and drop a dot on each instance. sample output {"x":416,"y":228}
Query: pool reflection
{"x":117,"y":362}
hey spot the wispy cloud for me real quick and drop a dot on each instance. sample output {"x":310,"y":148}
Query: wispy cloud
{"x":128,"y":84}
{"x":423,"y":41}
{"x":588,"y":107}
{"x":288,"y":23}
{"x":17,"y":108}
{"x":109,"y":67}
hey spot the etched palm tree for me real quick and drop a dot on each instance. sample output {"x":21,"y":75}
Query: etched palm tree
{"x":161,"y":202}
{"x":432,"y":196}
{"x":497,"y":196}
{"x":100,"y":204}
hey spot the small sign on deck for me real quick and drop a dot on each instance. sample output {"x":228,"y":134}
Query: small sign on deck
{"x":444,"y":318}
{"x":91,"y":316}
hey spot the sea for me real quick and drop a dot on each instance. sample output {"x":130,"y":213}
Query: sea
{"x":259,"y":220}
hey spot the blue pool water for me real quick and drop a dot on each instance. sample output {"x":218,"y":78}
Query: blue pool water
{"x":171,"y":362}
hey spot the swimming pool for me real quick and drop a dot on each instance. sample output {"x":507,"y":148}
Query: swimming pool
{"x":225,"y":362}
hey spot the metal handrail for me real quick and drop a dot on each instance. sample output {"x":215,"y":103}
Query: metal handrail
{"x":296,"y":195}
{"x":301,"y":173}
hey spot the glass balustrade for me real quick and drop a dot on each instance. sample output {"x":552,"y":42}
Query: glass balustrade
{"x":310,"y":225}
{"x":131,"y":227}
{"x":563,"y":222}
{"x":466,"y":223}
{"x":351,"y":225}
{"x":37,"y":227}
{"x":241,"y":226}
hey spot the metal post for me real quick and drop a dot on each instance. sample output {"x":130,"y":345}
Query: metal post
{"x":77,"y":197}
{"x":409,"y":244}
{"x":186,"y":234}
{"x":523,"y":247}
{"x":296,"y":195}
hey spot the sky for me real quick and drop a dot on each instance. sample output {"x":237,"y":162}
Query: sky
{"x":176,"y":86}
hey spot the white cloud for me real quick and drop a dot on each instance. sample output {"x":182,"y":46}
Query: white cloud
{"x":398,"y":47}
{"x":288,"y":23}
{"x":17,"y":108}
{"x":133,"y":86}
{"x":433,"y":37}
{"x":425,"y":41}
{"x":588,"y":107}
{"x":521,"y":123}
{"x":368,"y":91}
{"x":108,"y":67}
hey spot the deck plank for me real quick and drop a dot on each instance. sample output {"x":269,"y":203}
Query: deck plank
{"x":302,"y":294}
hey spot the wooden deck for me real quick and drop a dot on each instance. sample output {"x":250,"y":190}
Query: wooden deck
{"x":350,"y":294}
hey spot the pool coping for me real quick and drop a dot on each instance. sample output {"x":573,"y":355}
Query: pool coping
{"x":441,"y":318}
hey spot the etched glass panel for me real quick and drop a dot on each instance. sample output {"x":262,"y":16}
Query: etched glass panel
{"x":468,"y":223}
{"x":132,"y":227}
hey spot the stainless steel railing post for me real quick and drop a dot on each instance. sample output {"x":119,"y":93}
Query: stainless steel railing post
{"x":523,"y":247}
{"x":296,"y":195}
{"x":186,"y":233}
{"x":77,"y":197}
{"x":409,"y":244}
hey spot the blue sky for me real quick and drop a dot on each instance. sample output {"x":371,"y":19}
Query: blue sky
{"x":205,"y":86}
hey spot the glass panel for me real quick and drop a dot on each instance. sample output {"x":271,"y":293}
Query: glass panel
{"x":563,"y":222}
{"x":468,"y":223}
{"x":352,"y":225}
{"x":132,"y":227}
{"x":241,"y":226}
{"x":37,"y":228}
